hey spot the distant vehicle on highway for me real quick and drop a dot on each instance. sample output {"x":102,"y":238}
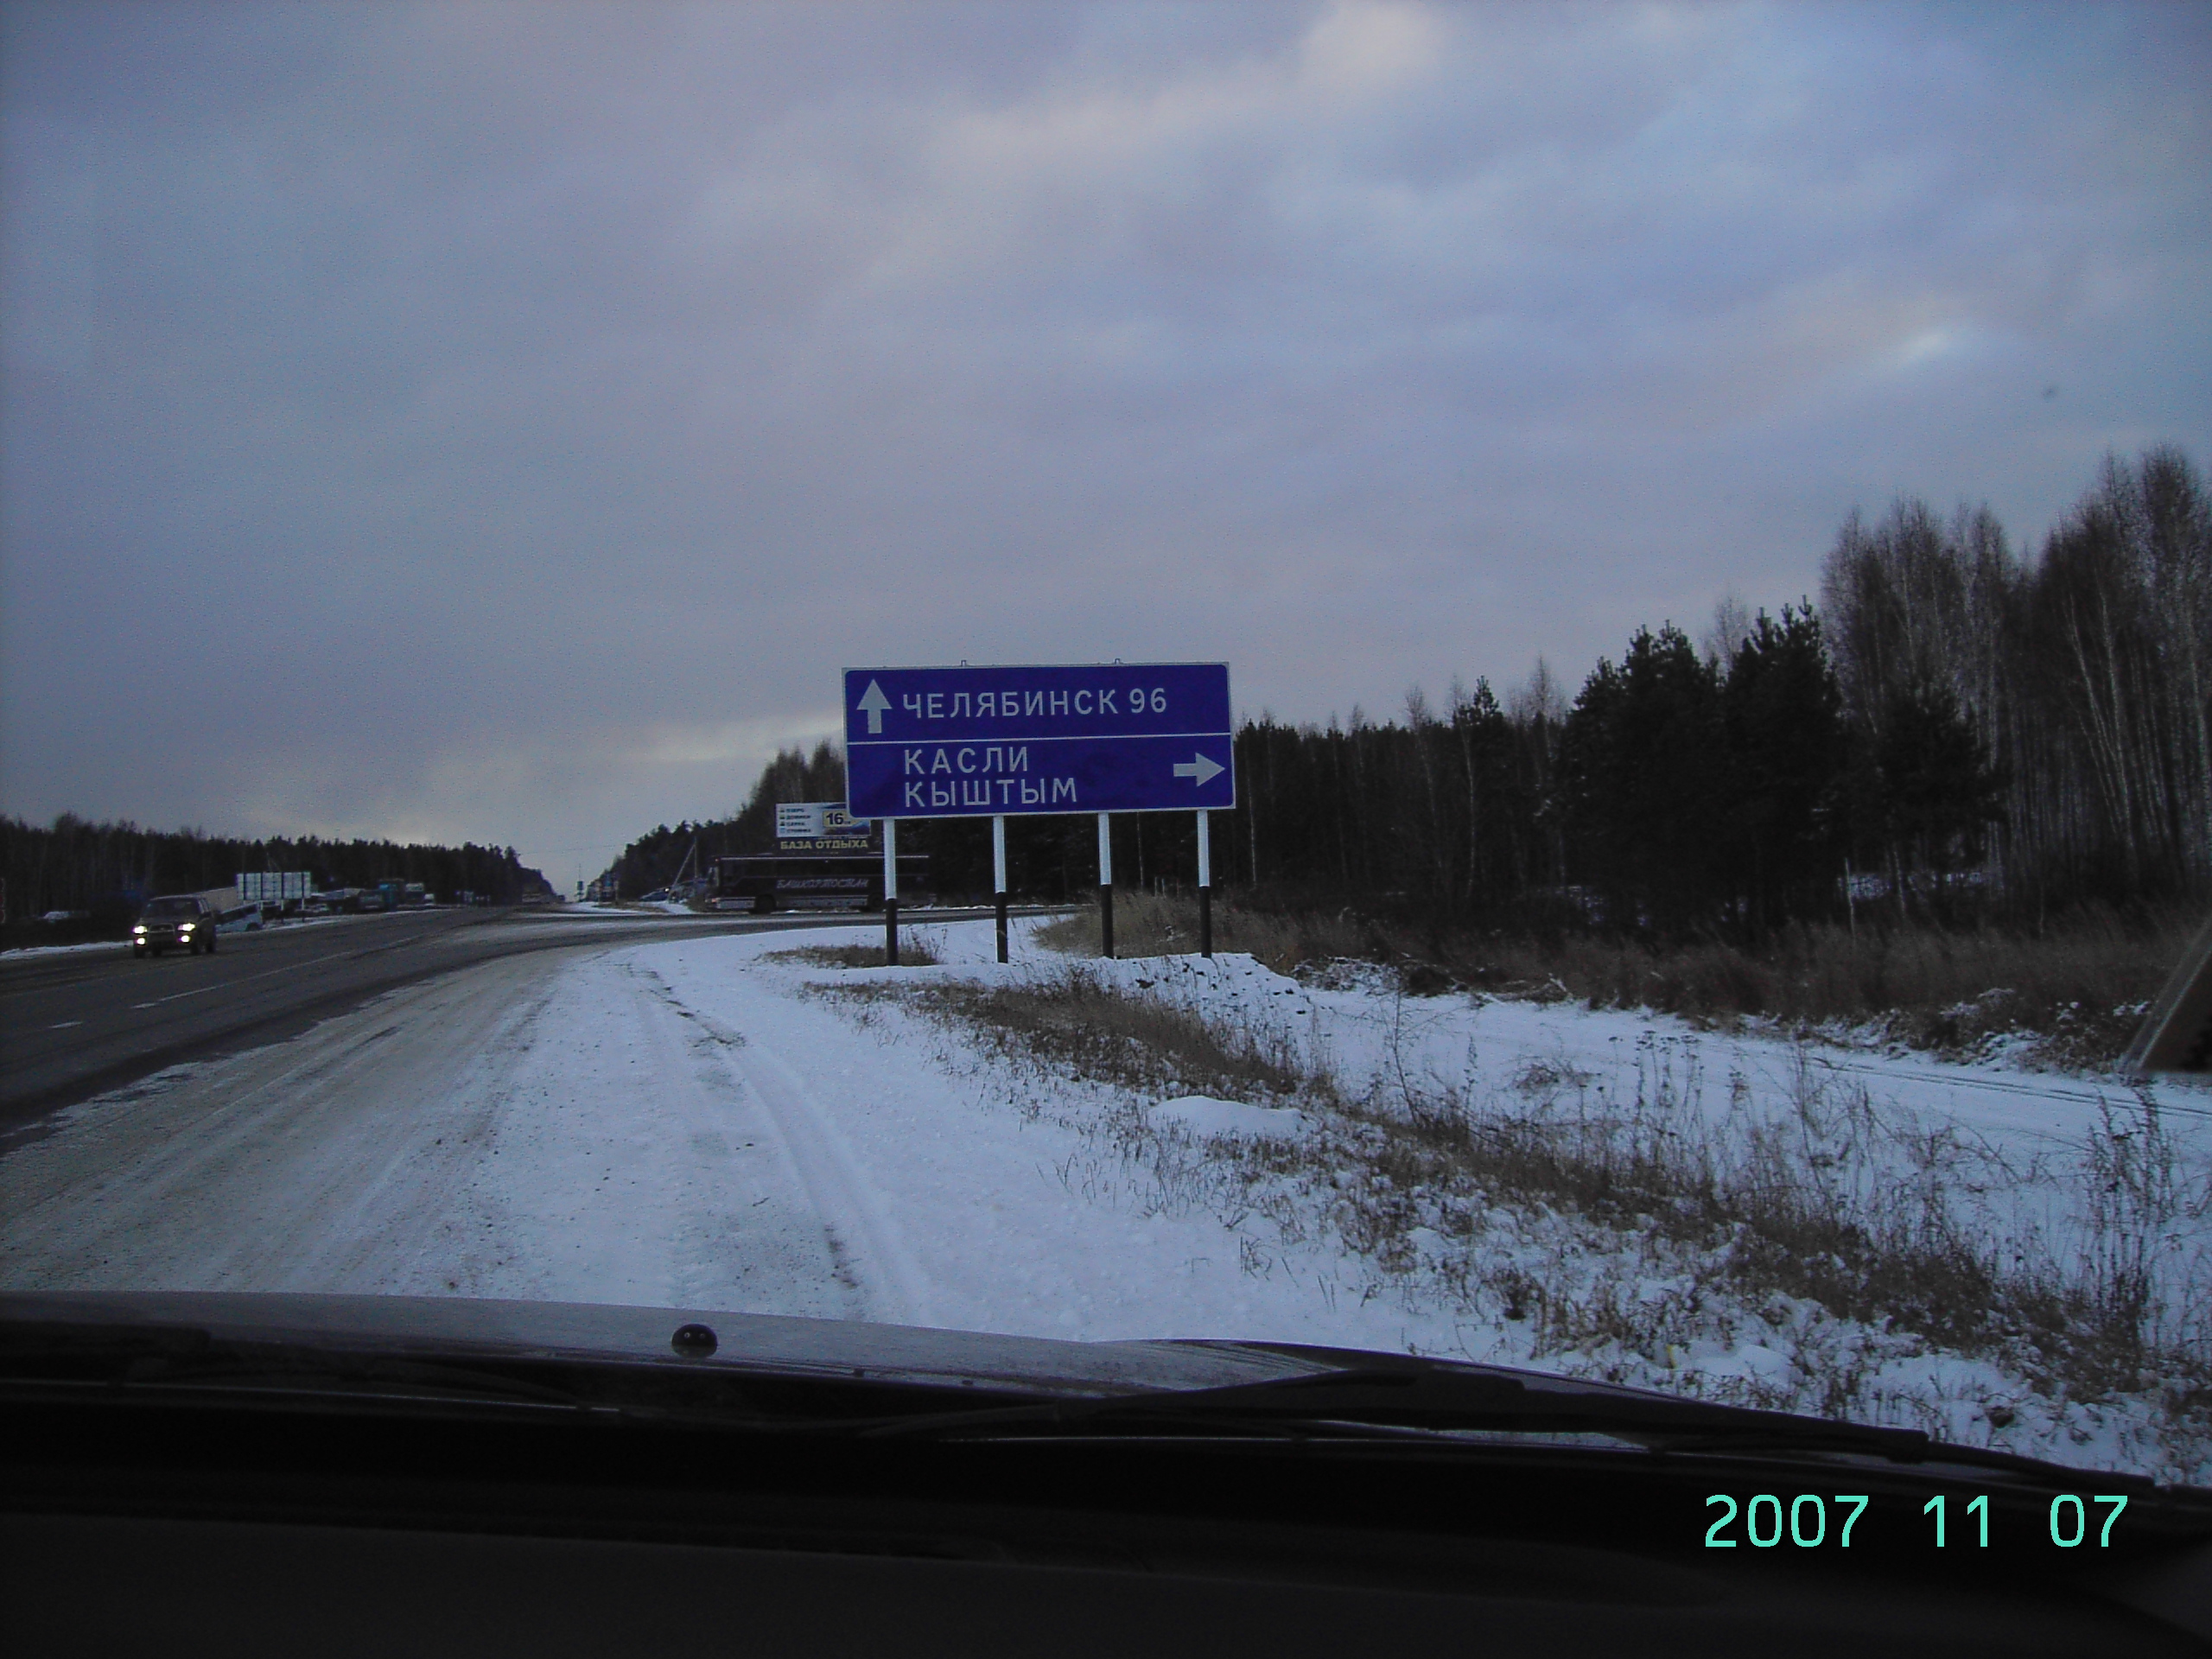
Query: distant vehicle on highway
{"x":181,"y":918}
{"x":397,"y":895}
{"x":823,"y":881}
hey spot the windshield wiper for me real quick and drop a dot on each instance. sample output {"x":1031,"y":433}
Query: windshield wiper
{"x":1371,"y":1398}
{"x":1365,"y":1401}
{"x":184,"y":1357}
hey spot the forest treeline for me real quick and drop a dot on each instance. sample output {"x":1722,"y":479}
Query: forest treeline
{"x":656,"y":858}
{"x":1953,"y":730}
{"x":108,"y":869}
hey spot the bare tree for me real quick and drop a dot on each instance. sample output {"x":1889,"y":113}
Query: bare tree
{"x":1538,"y":698}
{"x":1724,"y":635}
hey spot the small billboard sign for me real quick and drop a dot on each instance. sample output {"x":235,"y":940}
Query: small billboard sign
{"x":274,"y":886}
{"x":820,"y":827}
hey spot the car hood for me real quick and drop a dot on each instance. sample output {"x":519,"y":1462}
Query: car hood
{"x":458,"y":1327}
{"x":1119,"y":1380}
{"x":452,"y":1326}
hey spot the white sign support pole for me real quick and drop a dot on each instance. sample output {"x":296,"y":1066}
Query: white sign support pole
{"x":1106,"y":886}
{"x":1205,"y":885}
{"x":891,"y":893}
{"x":998,"y":875}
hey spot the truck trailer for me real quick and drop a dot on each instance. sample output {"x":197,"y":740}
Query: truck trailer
{"x":814,"y":881}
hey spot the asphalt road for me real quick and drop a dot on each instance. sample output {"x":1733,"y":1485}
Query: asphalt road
{"x":76,"y":1024}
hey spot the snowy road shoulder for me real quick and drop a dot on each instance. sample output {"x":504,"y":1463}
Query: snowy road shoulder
{"x":712,"y":1122}
{"x":1327,"y":1220}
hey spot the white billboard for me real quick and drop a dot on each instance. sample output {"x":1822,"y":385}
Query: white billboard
{"x":818,"y":820}
{"x":274,"y":886}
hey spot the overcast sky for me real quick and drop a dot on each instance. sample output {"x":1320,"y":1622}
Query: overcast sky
{"x":503,"y":422}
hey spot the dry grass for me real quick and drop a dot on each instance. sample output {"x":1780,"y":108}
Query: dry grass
{"x":1826,"y":1204}
{"x":2074,"y":990}
{"x":1072,"y":1023}
{"x":916,"y":949}
{"x":1833,"y":1202}
{"x":1155,"y":924}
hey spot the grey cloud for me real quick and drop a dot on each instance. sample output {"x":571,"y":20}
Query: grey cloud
{"x":589,"y":384}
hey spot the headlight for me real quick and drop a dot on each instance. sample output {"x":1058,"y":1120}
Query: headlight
{"x":185,"y":927}
{"x":141,"y":928}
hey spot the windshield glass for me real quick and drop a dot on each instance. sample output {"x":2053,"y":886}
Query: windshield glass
{"x":1526,"y":684}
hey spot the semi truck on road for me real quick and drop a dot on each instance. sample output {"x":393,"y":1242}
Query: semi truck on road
{"x":813,"y":881}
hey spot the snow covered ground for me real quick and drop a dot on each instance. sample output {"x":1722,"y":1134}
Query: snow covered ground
{"x":28,"y":952}
{"x":700,"y":1123}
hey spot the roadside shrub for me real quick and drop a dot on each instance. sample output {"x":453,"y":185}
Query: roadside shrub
{"x":1166,"y":925}
{"x":916,"y":949}
{"x":2074,"y":990}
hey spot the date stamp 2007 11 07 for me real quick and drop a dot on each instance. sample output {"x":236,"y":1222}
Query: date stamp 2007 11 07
{"x":1807,"y":1522}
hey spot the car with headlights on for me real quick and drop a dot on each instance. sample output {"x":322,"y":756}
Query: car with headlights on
{"x":178,"y":918}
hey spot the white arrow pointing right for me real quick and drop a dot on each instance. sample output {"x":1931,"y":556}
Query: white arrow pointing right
{"x":1198,"y":769}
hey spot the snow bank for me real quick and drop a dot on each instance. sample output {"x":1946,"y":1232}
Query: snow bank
{"x":1210,"y":1120}
{"x":2014,"y":1151}
{"x":23,"y":953}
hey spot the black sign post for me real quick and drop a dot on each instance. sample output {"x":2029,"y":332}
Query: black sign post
{"x":998,"y":875}
{"x":891,"y":893}
{"x":1106,"y":887}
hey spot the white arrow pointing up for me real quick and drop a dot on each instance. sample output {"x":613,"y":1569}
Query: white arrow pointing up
{"x":1198,"y":769}
{"x":873,"y":705}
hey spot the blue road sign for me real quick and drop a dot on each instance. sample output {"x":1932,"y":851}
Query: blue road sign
{"x":971,"y":742}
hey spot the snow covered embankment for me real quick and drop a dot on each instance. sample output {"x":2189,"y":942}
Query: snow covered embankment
{"x":2002,"y":1259}
{"x":1173,"y":1148}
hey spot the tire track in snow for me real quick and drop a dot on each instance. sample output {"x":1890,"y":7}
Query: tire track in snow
{"x":417,"y":1178}
{"x":864,"y":1236}
{"x":736,"y":1235}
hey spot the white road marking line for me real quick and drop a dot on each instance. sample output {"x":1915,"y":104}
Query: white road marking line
{"x":65,"y":1025}
{"x":223,"y":985}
